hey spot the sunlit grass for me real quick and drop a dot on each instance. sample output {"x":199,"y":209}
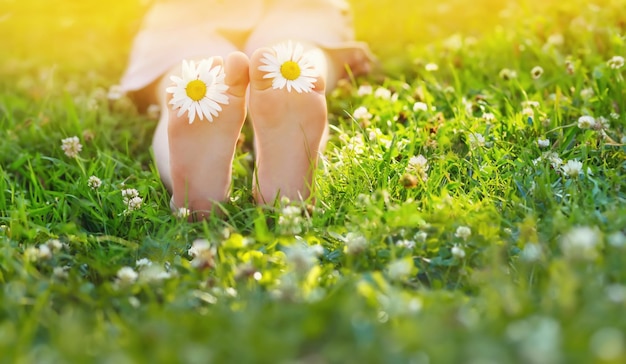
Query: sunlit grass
{"x":448,"y":225}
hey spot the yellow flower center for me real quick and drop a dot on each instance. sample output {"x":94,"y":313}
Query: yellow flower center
{"x":196,"y":90}
{"x":290,"y":70}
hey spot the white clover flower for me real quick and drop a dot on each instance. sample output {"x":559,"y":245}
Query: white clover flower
{"x":572,"y":168}
{"x":463,"y":232}
{"x":291,"y":221}
{"x":45,"y":253}
{"x":301,"y":257}
{"x":407,"y":244}
{"x":418,"y":165}
{"x":60,"y":272}
{"x":71,"y":146}
{"x":127,"y":275}
{"x":420,"y":106}
{"x":431,"y":67}
{"x":382,"y":93}
{"x":552,"y":157}
{"x":586,"y":122}
{"x":543,"y":143}
{"x":153,"y":274}
{"x":602,"y":123}
{"x":421,"y":236}
{"x":507,"y":74}
{"x":617,"y":239}
{"x":400,"y":269}
{"x":488,"y":117}
{"x":364,"y":90}
{"x":616,"y":62}
{"x":536,"y":72}
{"x":614,"y":116}
{"x":115,"y":92}
{"x":290,"y":67}
{"x":581,"y":243}
{"x":199,"y":91}
{"x":55,"y":245}
{"x":530,"y":104}
{"x":361,"y":113}
{"x":586,"y":93}
{"x":532,"y":252}
{"x":528,"y":112}
{"x":476,"y":140}
{"x":203,"y":254}
{"x":458,"y":252}
{"x":143,"y":262}
{"x":94,"y":182}
{"x":131,"y":199}
{"x":153,"y":111}
{"x":355,"y":243}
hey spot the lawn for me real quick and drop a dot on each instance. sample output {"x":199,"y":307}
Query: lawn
{"x":470,"y":207}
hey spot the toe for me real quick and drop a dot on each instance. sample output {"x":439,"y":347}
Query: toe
{"x":256,"y":75}
{"x":237,"y":75}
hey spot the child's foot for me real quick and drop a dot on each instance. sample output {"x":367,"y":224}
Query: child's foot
{"x":201,"y":154}
{"x":290,"y":130}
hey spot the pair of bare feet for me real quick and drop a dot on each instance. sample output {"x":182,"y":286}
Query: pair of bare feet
{"x":290,"y":130}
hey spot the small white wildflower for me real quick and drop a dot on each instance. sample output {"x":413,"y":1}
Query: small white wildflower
{"x":71,"y":146}
{"x":458,"y":252}
{"x":400,"y":269}
{"x":126,"y":275}
{"x":153,"y":111}
{"x":572,"y":168}
{"x":552,"y":157}
{"x":536,"y":72}
{"x":301,"y":258}
{"x":507,"y":74}
{"x":383,"y":93}
{"x":361,"y":113}
{"x":94,"y":182}
{"x":421,"y":236}
{"x":31,"y":254}
{"x":129,"y":193}
{"x":153,"y":274}
{"x":543,"y":143}
{"x":476,"y":140}
{"x":407,"y":244}
{"x":131,"y":199}
{"x":115,"y":92}
{"x":617,"y":239}
{"x":135,"y":203}
{"x":528,"y":112}
{"x":60,"y":272}
{"x":614,"y":116}
{"x":602,"y":123}
{"x":419,"y":166}
{"x":532,"y":252}
{"x":530,"y":104}
{"x":616,"y":62}
{"x":586,"y":93}
{"x":581,"y":243}
{"x":463,"y":232}
{"x":488,"y":117}
{"x":143,"y":262}
{"x":364,"y":90}
{"x":55,"y":245}
{"x":291,"y":221}
{"x":420,"y":106}
{"x":586,"y":122}
{"x":355,"y":243}
{"x":45,"y":253}
{"x":431,"y":67}
{"x":203,"y":254}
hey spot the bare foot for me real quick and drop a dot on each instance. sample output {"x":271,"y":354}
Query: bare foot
{"x":201,"y":154}
{"x":289,"y":132}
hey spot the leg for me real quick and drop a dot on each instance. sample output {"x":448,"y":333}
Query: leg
{"x":290,"y":129}
{"x":195,"y":160}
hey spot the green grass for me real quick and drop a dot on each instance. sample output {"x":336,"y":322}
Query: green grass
{"x":373,"y":272}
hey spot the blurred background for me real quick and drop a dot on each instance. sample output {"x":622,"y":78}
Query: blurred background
{"x":94,"y":36}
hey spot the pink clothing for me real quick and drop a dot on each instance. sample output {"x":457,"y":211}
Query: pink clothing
{"x":181,"y":29}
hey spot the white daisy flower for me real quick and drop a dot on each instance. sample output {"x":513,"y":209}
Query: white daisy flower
{"x":200,"y":91}
{"x":290,"y":67}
